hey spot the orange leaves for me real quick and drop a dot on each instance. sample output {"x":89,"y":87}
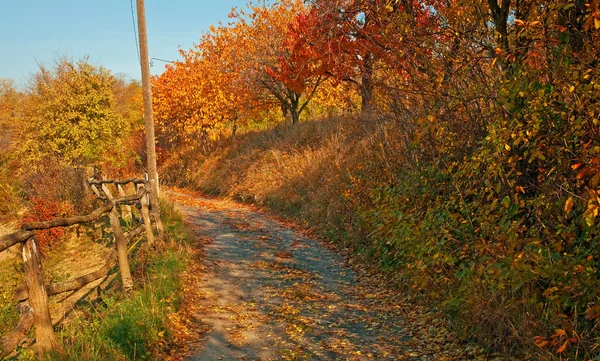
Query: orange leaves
{"x":560,"y":340}
{"x":540,"y":341}
{"x":594,"y":17}
{"x":235,"y":72}
{"x":593,"y":313}
{"x":204,"y":91}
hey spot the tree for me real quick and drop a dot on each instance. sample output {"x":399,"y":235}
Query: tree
{"x":199,"y":95}
{"x":71,"y":115}
{"x":254,"y":63}
{"x":276,"y":57}
{"x":355,"y":36}
{"x":10,"y":99}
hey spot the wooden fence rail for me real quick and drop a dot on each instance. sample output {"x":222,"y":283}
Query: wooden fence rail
{"x":33,"y":296}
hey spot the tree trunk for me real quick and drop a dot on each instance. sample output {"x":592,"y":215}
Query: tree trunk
{"x":500,"y":16}
{"x":295,"y":116}
{"x":366,"y":87}
{"x":293,"y":106}
{"x":38,"y":298}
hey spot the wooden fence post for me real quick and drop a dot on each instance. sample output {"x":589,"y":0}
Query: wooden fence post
{"x":126,"y":213}
{"x":152,"y":189}
{"x":96,"y":191}
{"x":38,"y":298}
{"x":120,"y":243}
{"x":146,"y":215}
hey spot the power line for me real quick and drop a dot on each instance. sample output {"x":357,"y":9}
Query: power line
{"x":163,"y":60}
{"x":137,"y":45}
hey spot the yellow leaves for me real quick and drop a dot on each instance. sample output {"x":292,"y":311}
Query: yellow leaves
{"x":494,"y":62}
{"x":558,"y":333}
{"x":550,"y":291}
{"x":594,"y":17}
{"x":569,"y":205}
{"x":590,"y":214}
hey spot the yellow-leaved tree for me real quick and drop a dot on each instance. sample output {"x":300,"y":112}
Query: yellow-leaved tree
{"x":71,"y":114}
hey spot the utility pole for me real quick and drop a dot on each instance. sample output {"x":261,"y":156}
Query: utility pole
{"x":149,"y":118}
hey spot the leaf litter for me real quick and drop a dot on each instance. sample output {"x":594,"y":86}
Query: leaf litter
{"x":260,"y":289}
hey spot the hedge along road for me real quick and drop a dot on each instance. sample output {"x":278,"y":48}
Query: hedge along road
{"x":269,"y":292}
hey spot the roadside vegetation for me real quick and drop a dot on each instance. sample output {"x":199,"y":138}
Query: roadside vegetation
{"x":461,"y":156}
{"x":108,"y":326}
{"x":453,"y":145}
{"x":133,"y":328}
{"x":73,"y":121}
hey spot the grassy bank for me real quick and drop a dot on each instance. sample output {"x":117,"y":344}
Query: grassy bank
{"x":132,"y":327}
{"x":506,"y":267}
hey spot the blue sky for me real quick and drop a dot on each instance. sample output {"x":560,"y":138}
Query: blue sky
{"x":38,"y":31}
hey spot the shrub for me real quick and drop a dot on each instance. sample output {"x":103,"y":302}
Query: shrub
{"x":46,"y":210}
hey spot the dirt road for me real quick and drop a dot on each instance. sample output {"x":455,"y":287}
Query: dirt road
{"x":271,"y":293}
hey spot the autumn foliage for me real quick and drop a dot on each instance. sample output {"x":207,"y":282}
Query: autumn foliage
{"x":47,"y":210}
{"x":469,"y":167}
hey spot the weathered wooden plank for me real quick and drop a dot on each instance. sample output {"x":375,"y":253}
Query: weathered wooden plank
{"x":120,"y":244}
{"x":134,"y":233}
{"x":38,"y":298}
{"x":113,"y":181}
{"x":65,"y":222}
{"x":146,"y":215}
{"x":126,"y":209}
{"x":11,"y":239}
{"x":52,"y":289}
{"x":96,"y":191}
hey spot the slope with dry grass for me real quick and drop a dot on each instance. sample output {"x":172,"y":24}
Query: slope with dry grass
{"x":429,"y":226}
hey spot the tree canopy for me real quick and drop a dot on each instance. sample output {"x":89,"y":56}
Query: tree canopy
{"x":72,"y":114}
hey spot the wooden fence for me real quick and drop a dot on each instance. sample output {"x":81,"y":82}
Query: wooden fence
{"x":33,"y":296}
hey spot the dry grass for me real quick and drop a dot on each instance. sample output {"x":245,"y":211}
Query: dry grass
{"x":299,"y":171}
{"x":308,"y":172}
{"x":325,"y":174}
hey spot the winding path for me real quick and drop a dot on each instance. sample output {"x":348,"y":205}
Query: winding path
{"x":271,"y":293}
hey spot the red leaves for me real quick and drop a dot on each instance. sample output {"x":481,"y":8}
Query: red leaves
{"x":45,"y":210}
